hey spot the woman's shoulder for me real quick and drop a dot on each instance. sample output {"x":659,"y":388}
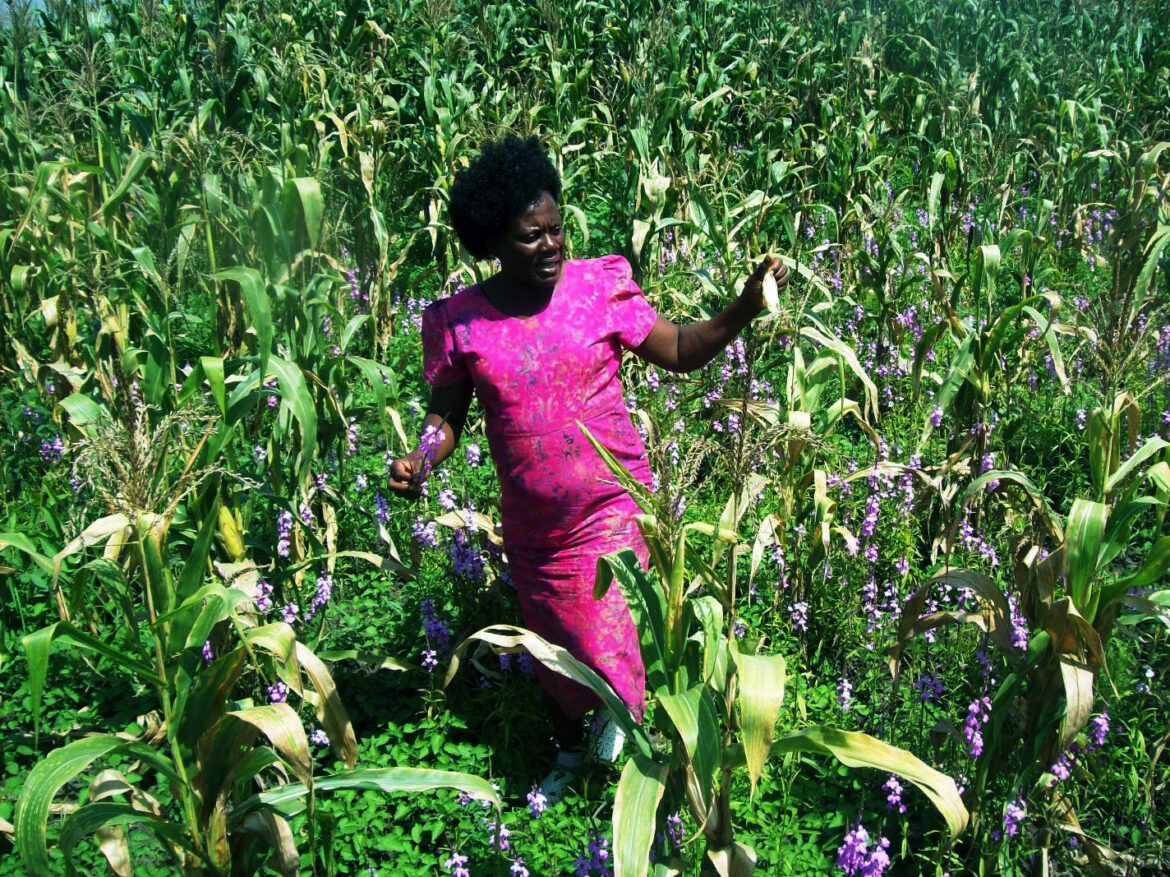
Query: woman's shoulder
{"x":463,"y":302}
{"x":610,"y":271}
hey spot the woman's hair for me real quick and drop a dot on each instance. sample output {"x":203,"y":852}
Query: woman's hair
{"x":505,"y":178}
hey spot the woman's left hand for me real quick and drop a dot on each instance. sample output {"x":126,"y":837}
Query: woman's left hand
{"x":753,"y":288}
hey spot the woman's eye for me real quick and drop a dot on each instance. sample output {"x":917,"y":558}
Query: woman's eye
{"x":556,"y":231}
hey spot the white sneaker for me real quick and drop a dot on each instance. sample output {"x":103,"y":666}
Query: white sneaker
{"x":609,"y":742}
{"x":562,"y":776}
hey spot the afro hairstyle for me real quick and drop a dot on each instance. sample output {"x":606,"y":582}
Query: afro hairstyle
{"x":505,"y":178}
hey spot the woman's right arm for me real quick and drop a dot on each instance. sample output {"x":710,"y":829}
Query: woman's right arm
{"x":446,"y":413}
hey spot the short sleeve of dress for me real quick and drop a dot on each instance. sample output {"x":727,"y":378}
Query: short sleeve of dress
{"x":629,"y":315}
{"x":442,"y":366}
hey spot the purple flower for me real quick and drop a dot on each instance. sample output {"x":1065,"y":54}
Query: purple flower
{"x":324,"y":592}
{"x":208,"y":654}
{"x":277,"y":692}
{"x":318,"y":737}
{"x":289,"y":612}
{"x":473,"y":455}
{"x":381,"y":508}
{"x":430,"y":660}
{"x":360,"y":482}
{"x":437,"y":631}
{"x":844,"y":693}
{"x":284,"y":525}
{"x":1098,"y":728}
{"x":852,"y":854}
{"x":902,"y":565}
{"x":1062,"y":770}
{"x":500,"y":834}
{"x":455,"y":865}
{"x":978,"y":714}
{"x":537,"y":802}
{"x":432,"y":437}
{"x":799,"y":615}
{"x":263,"y":596}
{"x":307,"y":516}
{"x":930,"y":689}
{"x":1013,"y":815}
{"x":518,"y":869}
{"x":893,"y":790}
{"x":936,"y":416}
{"x":674,"y":830}
{"x":426,"y":533}
{"x":447,"y":499}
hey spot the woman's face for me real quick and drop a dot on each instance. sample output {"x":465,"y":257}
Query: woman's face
{"x":532,"y":249}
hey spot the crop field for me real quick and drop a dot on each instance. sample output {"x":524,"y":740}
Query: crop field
{"x":908,"y":609}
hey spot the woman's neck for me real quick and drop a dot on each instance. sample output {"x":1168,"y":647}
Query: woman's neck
{"x":515,"y":299}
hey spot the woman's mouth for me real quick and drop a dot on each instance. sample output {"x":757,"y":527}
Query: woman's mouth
{"x":548,"y":267}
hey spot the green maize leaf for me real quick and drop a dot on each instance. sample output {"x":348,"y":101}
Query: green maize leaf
{"x":692,"y":713}
{"x":350,"y":330}
{"x":373,"y":662}
{"x":708,"y":612}
{"x":986,"y":269}
{"x":1154,"y":249}
{"x":328,"y":707}
{"x":558,"y":660}
{"x":935,"y":196}
{"x":83,"y":412}
{"x":295,"y":396}
{"x":637,"y":490}
{"x":255,"y":293}
{"x":1120,"y":526}
{"x":213,"y":372}
{"x":1080,"y":654}
{"x":382,"y":380}
{"x":1152,"y":446}
{"x":88,"y":819}
{"x":139,"y":163}
{"x":645,"y":599}
{"x":1045,"y":327}
{"x":993,"y":617}
{"x":634,"y":815}
{"x":854,"y":749}
{"x":278,"y":835}
{"x":59,"y":767}
{"x":205,"y":698}
{"x":287,"y":799}
{"x":733,"y":512}
{"x":280,"y":723}
{"x":736,"y":860}
{"x":1011,"y":476}
{"x":1154,"y":607}
{"x":192,"y":621}
{"x":960,"y":369}
{"x":38,"y":644}
{"x":1083,"y":536}
{"x":303,"y":206}
{"x":21,"y":542}
{"x":761,"y":681}
{"x":820,"y":335}
{"x":195,"y":566}
{"x":1153,"y":568}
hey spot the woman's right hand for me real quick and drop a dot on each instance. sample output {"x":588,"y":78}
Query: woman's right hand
{"x":406,"y":476}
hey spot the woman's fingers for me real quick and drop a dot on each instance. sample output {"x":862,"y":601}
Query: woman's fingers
{"x":404,"y":478}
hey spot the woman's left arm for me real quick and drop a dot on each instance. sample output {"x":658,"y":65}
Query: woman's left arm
{"x":687,"y":348}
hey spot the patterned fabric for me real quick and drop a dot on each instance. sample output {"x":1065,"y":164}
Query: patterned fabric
{"x":561,"y":510}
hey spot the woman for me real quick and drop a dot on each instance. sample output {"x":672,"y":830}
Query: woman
{"x":539,"y":344}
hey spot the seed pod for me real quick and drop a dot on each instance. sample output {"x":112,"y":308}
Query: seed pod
{"x":229,"y":534}
{"x":771,"y":293}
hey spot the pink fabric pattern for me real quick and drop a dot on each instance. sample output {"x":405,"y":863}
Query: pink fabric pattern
{"x":535,"y":378}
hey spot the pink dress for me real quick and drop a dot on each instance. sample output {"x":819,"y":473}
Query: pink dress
{"x":535,"y":378}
